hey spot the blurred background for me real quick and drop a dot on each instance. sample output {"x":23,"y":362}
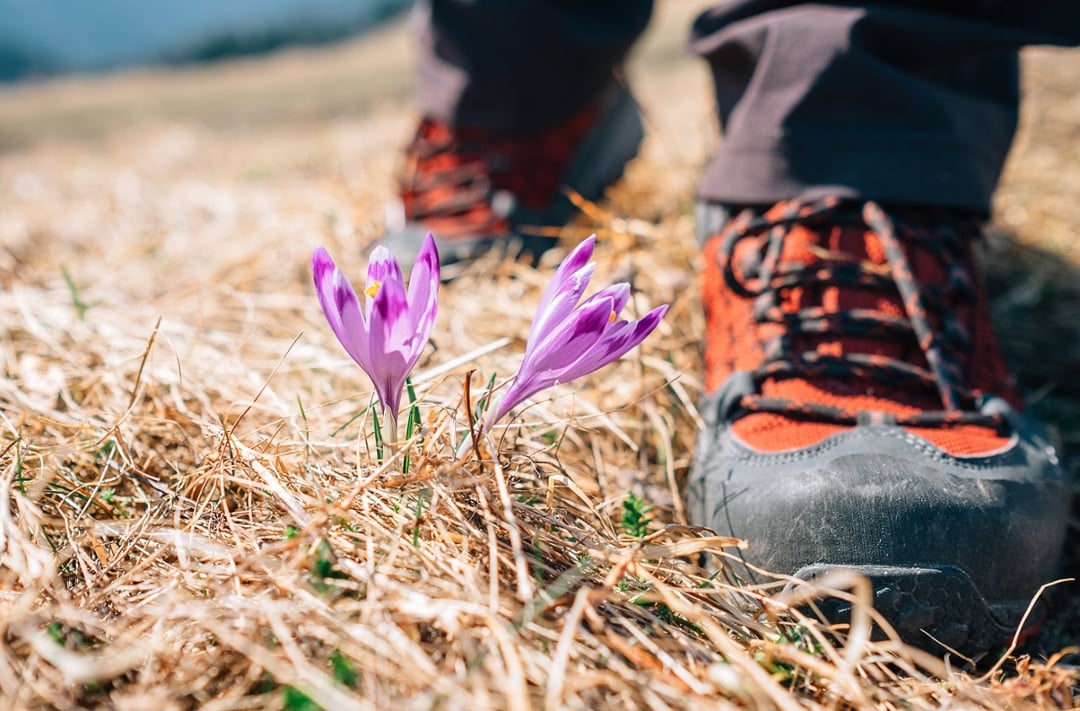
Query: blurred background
{"x":40,"y":38}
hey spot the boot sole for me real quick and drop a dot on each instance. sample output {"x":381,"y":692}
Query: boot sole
{"x":936,"y":608}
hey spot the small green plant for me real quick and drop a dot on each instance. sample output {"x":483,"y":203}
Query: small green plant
{"x":295,"y":700}
{"x":781,"y":671}
{"x":105,"y":451}
{"x":483,"y":401}
{"x":68,"y":637}
{"x":380,"y":450}
{"x":346,"y":524}
{"x":800,"y":636}
{"x":56,"y":632}
{"x":419,"y":511}
{"x":635,"y":515}
{"x":291,"y":532}
{"x":307,"y":429}
{"x":411,"y":422}
{"x":344,"y":671}
{"x":81,"y":307}
{"x":668,"y":615}
{"x":19,"y":478}
{"x":324,"y":566}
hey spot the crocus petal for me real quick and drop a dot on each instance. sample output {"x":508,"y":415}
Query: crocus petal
{"x":382,"y":269}
{"x":578,"y":257}
{"x":424,"y":290}
{"x":390,"y":339}
{"x":519,"y":391}
{"x":621,"y":338}
{"x":559,"y":307}
{"x":341,"y":307}
{"x":569,"y":342}
{"x":619,"y":294}
{"x":571,"y":339}
{"x":327,"y":286}
{"x":574,"y":262}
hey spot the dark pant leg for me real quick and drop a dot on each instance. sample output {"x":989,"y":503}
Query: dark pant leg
{"x":912,"y":102}
{"x":515,"y":66}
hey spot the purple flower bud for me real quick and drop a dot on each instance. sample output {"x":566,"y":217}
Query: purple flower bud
{"x":570,"y":338}
{"x":389,"y":332}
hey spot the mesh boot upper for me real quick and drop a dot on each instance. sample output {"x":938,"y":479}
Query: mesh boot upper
{"x":452,"y":176}
{"x":845,"y":315}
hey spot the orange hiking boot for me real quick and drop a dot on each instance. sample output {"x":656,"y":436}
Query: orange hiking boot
{"x":477,"y":192}
{"x":861,"y":417}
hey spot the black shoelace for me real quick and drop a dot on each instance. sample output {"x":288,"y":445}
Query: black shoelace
{"x":760,"y":276}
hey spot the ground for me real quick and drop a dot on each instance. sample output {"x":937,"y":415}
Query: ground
{"x":193,"y":508}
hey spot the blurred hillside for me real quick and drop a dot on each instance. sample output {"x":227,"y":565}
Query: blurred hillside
{"x":47,"y":37}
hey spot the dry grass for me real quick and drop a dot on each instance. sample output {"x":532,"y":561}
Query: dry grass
{"x":192,"y":508}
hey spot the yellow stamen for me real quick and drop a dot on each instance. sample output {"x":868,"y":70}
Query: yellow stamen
{"x":372,"y":290}
{"x":611,"y":317}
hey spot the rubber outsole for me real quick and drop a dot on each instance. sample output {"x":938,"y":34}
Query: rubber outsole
{"x":936,"y":608}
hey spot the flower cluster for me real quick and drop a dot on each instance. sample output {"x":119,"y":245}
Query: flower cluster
{"x":385,"y":335}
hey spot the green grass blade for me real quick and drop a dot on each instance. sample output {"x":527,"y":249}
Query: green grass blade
{"x":411,"y":422}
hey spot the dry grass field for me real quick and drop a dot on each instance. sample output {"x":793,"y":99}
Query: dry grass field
{"x":193,"y":509}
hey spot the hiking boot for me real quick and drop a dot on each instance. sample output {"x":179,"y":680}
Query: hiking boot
{"x":861,"y":417}
{"x":477,"y":192}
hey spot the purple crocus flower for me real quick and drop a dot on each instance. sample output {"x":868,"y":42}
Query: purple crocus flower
{"x":387,"y":335}
{"x":568,"y":340}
